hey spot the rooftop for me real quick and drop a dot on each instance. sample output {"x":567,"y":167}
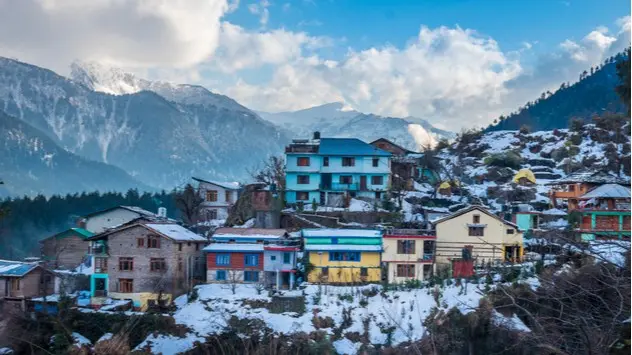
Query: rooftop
{"x":350,"y":233}
{"x":215,"y":247}
{"x":590,"y":177}
{"x":227,"y":185}
{"x":15,"y":268}
{"x":336,"y":146}
{"x":608,"y":191}
{"x":339,"y":247}
{"x":175,"y":232}
{"x":250,"y":232}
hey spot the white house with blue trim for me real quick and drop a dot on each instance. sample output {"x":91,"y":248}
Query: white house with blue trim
{"x":325,"y":169}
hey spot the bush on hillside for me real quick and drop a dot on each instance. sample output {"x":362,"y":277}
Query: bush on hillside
{"x":524,"y":129}
{"x":576,"y":124}
{"x":576,"y":139}
{"x":507,"y":159}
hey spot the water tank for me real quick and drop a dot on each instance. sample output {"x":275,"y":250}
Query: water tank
{"x":316,"y":135}
{"x":162,"y":212}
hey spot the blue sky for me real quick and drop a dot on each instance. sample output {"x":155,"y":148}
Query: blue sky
{"x":456,"y":63}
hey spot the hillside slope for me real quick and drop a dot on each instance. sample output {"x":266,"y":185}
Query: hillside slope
{"x":31,"y":163}
{"x":592,"y":94}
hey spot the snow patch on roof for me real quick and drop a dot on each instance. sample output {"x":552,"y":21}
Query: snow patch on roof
{"x":176,"y":232}
{"x":233,"y":247}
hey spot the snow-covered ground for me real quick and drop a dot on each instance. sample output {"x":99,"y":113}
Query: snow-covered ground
{"x":399,"y":314}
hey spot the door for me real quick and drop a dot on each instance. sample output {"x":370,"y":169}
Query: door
{"x":363,"y":182}
{"x":325,"y":180}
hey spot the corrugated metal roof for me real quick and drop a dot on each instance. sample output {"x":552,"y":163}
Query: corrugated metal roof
{"x":342,"y":247}
{"x":175,"y":232}
{"x":608,"y":191}
{"x":231,"y":247}
{"x":80,"y":232}
{"x":349,"y":146}
{"x":250,"y":231}
{"x":350,"y":233}
{"x":15,"y":268}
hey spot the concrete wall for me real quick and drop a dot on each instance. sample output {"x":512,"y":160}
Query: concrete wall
{"x":345,"y":271}
{"x":101,"y":222}
{"x":453,"y":236}
{"x":278,"y":264}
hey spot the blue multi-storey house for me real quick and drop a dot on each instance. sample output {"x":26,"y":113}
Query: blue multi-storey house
{"x":325,"y":169}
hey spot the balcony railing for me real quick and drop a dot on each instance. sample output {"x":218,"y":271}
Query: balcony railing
{"x":340,"y":187}
{"x":428,"y":232}
{"x":98,"y":250}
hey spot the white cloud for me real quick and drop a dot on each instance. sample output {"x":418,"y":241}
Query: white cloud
{"x":261,"y":9}
{"x":146,"y":33}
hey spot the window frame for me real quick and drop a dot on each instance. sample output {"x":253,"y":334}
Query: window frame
{"x":325,"y":161}
{"x":343,"y":178}
{"x":228,"y":196}
{"x":376,"y":162}
{"x":222,"y":255}
{"x":303,"y":161}
{"x":406,"y":246}
{"x":348,"y":161}
{"x":251,"y":272}
{"x":300,"y":193}
{"x":126,"y":285}
{"x":157,"y":265}
{"x":252,"y":257}
{"x":211,"y":196}
{"x":346,"y":256}
{"x":472,"y":231}
{"x":222,"y":272}
{"x":153,"y":242}
{"x":404,"y":270}
{"x":126,"y":260}
{"x":510,"y":231}
{"x":364,"y":272}
{"x":476,"y":219}
{"x":288,"y":256}
{"x":380,"y":178}
{"x":302,"y":179}
{"x":140,"y":243}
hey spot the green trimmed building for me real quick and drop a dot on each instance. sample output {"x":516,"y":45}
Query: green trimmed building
{"x":67,"y":249}
{"x":605,"y":213}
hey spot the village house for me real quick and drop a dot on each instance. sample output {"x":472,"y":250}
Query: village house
{"x":252,"y":255}
{"x":218,"y":198}
{"x":99,"y":221}
{"x":405,"y":165}
{"x":20,"y":281}
{"x":408,"y":254}
{"x":327,"y":170}
{"x":605,"y":213}
{"x":343,"y":255}
{"x":145,"y":263}
{"x":485,"y":236}
{"x":571,"y":187}
{"x":67,"y":249}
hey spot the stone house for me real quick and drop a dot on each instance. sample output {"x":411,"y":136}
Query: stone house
{"x":67,"y":249}
{"x":218,"y":198}
{"x":100,"y":221}
{"x":146,"y":263}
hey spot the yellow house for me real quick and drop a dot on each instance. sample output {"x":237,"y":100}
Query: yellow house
{"x":343,"y":255}
{"x":491,"y":238}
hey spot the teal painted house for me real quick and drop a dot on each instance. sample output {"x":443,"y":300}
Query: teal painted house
{"x":325,"y":170}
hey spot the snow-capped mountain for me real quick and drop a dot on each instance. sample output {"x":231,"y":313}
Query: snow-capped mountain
{"x":31,"y":163}
{"x":161,"y":135}
{"x":339,"y":120}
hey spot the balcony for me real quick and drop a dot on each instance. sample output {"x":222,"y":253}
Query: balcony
{"x":427,"y":257}
{"x":341,"y":187}
{"x":98,"y":250}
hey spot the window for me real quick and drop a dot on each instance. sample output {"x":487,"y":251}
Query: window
{"x":220,"y":275}
{"x":334,"y":240}
{"x":157,"y":264}
{"x":325,"y":271}
{"x":197,"y":246}
{"x":476,"y":219}
{"x":377,"y":180}
{"x":302,"y":179}
{"x":344,"y":256}
{"x":101,"y":264}
{"x":302,"y":161}
{"x":126,"y":264}
{"x":326,"y":161}
{"x":179,"y":246}
{"x":376,"y":162}
{"x":405,"y":247}
{"x":188,"y":244}
{"x":251,"y":276}
{"x":510,"y":231}
{"x":153,"y":241}
{"x":140,"y":242}
{"x":346,"y":179}
{"x":378,"y":195}
{"x":273,"y":257}
{"x":348,"y":161}
{"x":15,"y":284}
{"x":211,"y":195}
{"x":222,"y":259}
{"x":251,"y":259}
{"x":476,"y":231}
{"x":287,"y":257}
{"x":228,"y":196}
{"x":211,"y":214}
{"x":405,"y":270}
{"x":302,"y":195}
{"x":364,"y":272}
{"x":571,"y":188}
{"x":126,"y":285}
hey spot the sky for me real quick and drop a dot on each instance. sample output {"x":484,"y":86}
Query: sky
{"x":456,"y":63}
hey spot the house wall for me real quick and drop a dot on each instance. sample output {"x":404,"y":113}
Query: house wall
{"x":345,"y":271}
{"x":278,"y":264}
{"x":392,"y":258}
{"x":290,"y":197}
{"x":222,"y":205}
{"x":105,"y":220}
{"x":235,"y":269}
{"x":172,"y":281}
{"x":453,"y":236}
{"x":33,"y":284}
{"x":66,"y":253}
{"x":391,"y":271}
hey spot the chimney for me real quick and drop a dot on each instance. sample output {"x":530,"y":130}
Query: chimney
{"x":316,"y":135}
{"x":162,"y":212}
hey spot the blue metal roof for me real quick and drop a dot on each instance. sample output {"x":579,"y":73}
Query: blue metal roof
{"x":15,"y":268}
{"x":349,"y":146}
